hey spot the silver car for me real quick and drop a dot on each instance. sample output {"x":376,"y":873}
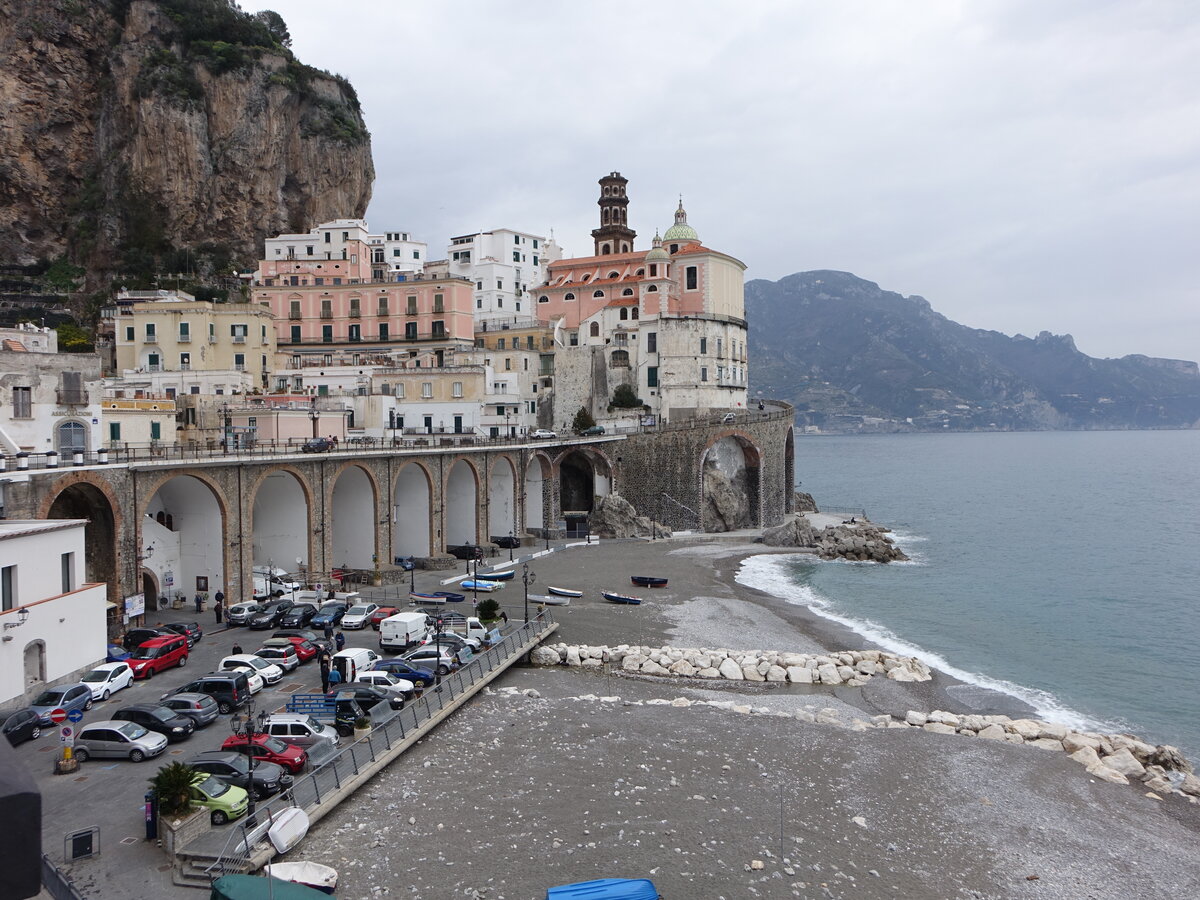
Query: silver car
{"x":118,"y":740}
{"x":299,"y":730}
{"x":240,"y":613}
{"x":200,"y":708}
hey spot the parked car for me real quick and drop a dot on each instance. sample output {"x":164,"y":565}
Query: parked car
{"x":382,"y":613}
{"x":367,"y":695}
{"x":465,"y":551}
{"x":253,"y":667}
{"x":156,"y":717}
{"x":224,"y":801}
{"x":592,"y":431}
{"x":105,"y":680}
{"x":190,"y":630}
{"x":231,"y":690}
{"x":20,"y":725}
{"x":240,"y":613}
{"x":729,"y":418}
{"x":539,"y":433}
{"x":116,"y":653}
{"x":506,"y":541}
{"x":158,"y":655}
{"x":298,"y":616}
{"x":280,"y":655}
{"x":359,"y":615}
{"x":406,"y":563}
{"x":451,"y":641}
{"x":330,"y":613}
{"x":110,"y":739}
{"x":388,"y":682}
{"x":299,"y":730}
{"x":65,"y":696}
{"x":135,"y":637}
{"x":267,"y":779}
{"x":279,"y":576}
{"x":427,"y":657}
{"x":270,"y":615}
{"x":406,"y":670}
{"x":200,"y":708}
{"x":268,"y":748}
{"x":317,"y":445}
{"x":305,"y":648}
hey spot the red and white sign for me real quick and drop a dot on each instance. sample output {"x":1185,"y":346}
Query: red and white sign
{"x":57,"y":715}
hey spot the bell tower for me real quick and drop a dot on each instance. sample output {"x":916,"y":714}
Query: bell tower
{"x":614,"y":234}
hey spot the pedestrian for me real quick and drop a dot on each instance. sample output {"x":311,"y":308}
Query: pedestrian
{"x":335,"y":678}
{"x":236,"y":649}
{"x":504,"y":617}
{"x":199,"y":604}
{"x":760,"y":405}
{"x":219,"y":606}
{"x":324,"y":672}
{"x":329,"y":631}
{"x":339,"y":640}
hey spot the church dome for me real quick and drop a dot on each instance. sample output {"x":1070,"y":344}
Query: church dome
{"x":681,"y":232}
{"x":658,"y":254}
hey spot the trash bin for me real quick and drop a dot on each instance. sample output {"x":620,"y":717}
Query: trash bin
{"x":151,"y":816}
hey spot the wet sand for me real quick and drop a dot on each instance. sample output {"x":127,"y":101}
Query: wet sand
{"x":561,"y":775}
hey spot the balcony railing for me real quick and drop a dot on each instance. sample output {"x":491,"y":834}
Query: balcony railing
{"x":239,"y":339}
{"x":72,"y":398}
{"x":184,"y":339}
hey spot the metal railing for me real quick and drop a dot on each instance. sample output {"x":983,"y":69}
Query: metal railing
{"x":56,"y":883}
{"x":852,"y":511}
{"x":321,"y":785}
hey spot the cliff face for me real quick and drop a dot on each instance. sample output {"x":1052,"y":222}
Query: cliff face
{"x":133,"y":128}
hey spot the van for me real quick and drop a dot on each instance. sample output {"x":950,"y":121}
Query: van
{"x":468,"y":626}
{"x":403,"y":630}
{"x":231,"y":690}
{"x":158,"y":655}
{"x":279,"y":576}
{"x":352,"y":660}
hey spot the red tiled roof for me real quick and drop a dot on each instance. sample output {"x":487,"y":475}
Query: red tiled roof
{"x":14,"y":345}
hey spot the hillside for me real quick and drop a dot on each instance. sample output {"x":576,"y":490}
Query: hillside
{"x":153,"y":135}
{"x":852,"y":356}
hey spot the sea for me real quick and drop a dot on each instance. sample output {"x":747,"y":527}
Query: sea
{"x":1062,"y":568}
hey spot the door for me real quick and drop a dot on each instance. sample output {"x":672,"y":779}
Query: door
{"x":458,"y":423}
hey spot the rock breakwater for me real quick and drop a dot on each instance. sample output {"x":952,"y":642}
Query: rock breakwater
{"x":859,"y":542}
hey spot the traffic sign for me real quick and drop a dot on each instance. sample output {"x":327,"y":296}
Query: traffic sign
{"x":66,"y":736}
{"x":75,"y":715}
{"x":57,"y":715}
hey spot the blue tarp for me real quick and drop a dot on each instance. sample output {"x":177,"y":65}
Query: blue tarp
{"x":605,"y":889}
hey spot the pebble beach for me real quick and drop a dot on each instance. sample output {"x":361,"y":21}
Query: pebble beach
{"x":718,"y":789}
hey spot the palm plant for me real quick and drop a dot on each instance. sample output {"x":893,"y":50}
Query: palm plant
{"x":173,"y":788}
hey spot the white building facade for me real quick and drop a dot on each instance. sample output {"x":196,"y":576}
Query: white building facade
{"x":505,"y":266}
{"x":394,"y":254}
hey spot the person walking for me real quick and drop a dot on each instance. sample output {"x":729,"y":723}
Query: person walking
{"x":339,"y":641}
{"x":236,"y":649}
{"x":329,"y":631}
{"x":219,"y":606}
{"x":199,"y":604}
{"x":504,"y":617}
{"x":335,"y":678}
{"x":324,"y":663}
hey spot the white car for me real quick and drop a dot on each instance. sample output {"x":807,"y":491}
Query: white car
{"x":542,"y":433}
{"x":359,"y":615}
{"x":388,"y":682}
{"x":253,"y":665}
{"x":105,"y":680}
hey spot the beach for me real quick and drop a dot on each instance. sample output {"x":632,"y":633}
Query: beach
{"x":717,"y":789}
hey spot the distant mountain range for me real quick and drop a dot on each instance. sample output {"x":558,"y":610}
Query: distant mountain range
{"x":854,"y":357}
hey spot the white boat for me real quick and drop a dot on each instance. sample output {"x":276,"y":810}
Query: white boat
{"x":288,"y":828}
{"x":310,"y":874}
{"x":481,"y":585}
{"x":563,"y":592}
{"x":548,"y":600}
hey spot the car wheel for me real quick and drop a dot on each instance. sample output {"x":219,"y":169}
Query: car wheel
{"x":224,"y":708}
{"x":81,"y":754}
{"x":219,"y":817}
{"x":104,"y":695}
{"x":35,"y":734}
{"x":136,"y":755}
{"x":182,"y":661}
{"x":443,"y":671}
{"x":261,"y":794}
{"x":88,"y":703}
{"x":149,"y":673}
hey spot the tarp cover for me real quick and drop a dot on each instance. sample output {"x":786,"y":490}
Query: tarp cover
{"x":259,"y":887}
{"x":605,"y":889}
{"x":21,"y":849}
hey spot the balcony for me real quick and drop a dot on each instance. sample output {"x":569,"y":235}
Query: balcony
{"x":72,"y":398}
{"x":150,"y":338}
{"x":326,"y":314}
{"x":355,"y":313}
{"x":239,"y":339}
{"x":184,"y":339}
{"x":295,"y":316}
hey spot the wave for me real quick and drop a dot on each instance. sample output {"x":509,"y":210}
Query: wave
{"x":769,"y":573}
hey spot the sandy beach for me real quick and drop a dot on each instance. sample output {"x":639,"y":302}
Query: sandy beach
{"x":562,"y":774}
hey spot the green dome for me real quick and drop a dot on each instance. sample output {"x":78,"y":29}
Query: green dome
{"x":681,"y":231}
{"x":658,"y":254}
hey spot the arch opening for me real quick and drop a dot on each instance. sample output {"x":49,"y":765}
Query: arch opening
{"x":280,"y":515}
{"x":193,"y":547}
{"x":536,"y":495}
{"x":353,"y":520}
{"x":462,"y":501}
{"x":410,"y":513}
{"x":502,"y":495}
{"x":86,"y":501}
{"x":729,"y":474}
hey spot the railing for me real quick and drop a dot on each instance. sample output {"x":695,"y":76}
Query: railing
{"x":854,"y":512}
{"x":72,"y":398}
{"x":318,"y":786}
{"x":56,"y":884}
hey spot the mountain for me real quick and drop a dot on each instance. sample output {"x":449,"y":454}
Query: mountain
{"x":146,"y":135}
{"x":852,"y":356}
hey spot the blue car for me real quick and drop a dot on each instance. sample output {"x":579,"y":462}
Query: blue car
{"x":329,"y":614}
{"x":117,"y":653}
{"x":65,"y":696}
{"x":402,"y":669}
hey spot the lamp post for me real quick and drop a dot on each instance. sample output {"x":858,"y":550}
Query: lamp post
{"x":315,"y":415}
{"x":226,"y":427}
{"x":412,"y":578}
{"x":249,"y":725}
{"x":437,"y":642}
{"x":475,"y":580}
{"x":527,"y":577}
{"x":512,"y":536}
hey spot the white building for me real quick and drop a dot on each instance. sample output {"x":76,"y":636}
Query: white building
{"x":52,"y":626}
{"x":505,"y":266}
{"x":395,"y":255}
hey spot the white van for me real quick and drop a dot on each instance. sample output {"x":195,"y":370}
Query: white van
{"x":468,"y":626}
{"x":353,"y":660}
{"x":279,"y":576}
{"x":403,"y":630}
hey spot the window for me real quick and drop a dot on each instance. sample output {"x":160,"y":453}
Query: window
{"x":633,"y":313}
{"x":594,"y":329}
{"x":151,"y":333}
{"x":624,"y":314}
{"x":185,"y":331}
{"x":114,"y":431}
{"x":439,"y":303}
{"x":410,"y":331}
{"x":573,"y":340}
{"x":529,"y":342}
{"x":416,"y":254}
{"x":620,"y":358}
{"x":628,"y":292}
{"x":412,"y":306}
{"x":516,"y":256}
{"x":400,"y":395}
{"x":8,"y":587}
{"x":426,"y":390}
{"x":508,"y":364}
{"x":535,"y":260}
{"x":383,"y":331}
{"x":326,"y":334}
{"x":690,"y":278}
{"x":499,"y":284}
{"x":704,"y":373}
{"x":295,"y":334}
{"x":239,"y":361}
{"x":238,"y":333}
{"x":568,"y":296}
{"x":22,"y":402}
{"x":653,"y":270}
{"x":355,"y":307}
{"x":155,"y":431}
{"x":212,"y":332}
{"x":499,"y":343}
{"x":597,"y":293}
{"x":326,"y":309}
{"x":652,"y":342}
{"x":328,"y":236}
{"x":703,"y":346}
{"x":381,"y":308}
{"x":355,"y":332}
{"x":67,"y":565}
{"x":535,"y":243}
{"x":652,"y":376}
{"x":72,"y":436}
{"x":129,"y":333}
{"x":439,"y":328}
{"x":456,"y":389}
{"x":185,"y":361}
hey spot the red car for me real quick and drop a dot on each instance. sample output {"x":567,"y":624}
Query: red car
{"x":158,"y":655}
{"x":270,"y":748}
{"x":382,"y":613}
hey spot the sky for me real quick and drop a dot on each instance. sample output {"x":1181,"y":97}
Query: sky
{"x":1026,"y":165}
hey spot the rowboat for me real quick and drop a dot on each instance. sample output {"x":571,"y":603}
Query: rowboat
{"x":482,"y":585}
{"x":614,"y":597}
{"x":415,"y":597}
{"x":500,"y":576}
{"x":288,"y":829}
{"x":448,"y":596}
{"x":547,"y":600}
{"x":310,"y":874}
{"x":648,"y":581}
{"x":563,"y":592}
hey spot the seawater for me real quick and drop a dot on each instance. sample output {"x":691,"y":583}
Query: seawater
{"x":1059,"y":567}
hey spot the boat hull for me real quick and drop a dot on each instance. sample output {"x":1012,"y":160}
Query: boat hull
{"x":613,"y":597}
{"x":563,"y":592}
{"x":648,"y":581}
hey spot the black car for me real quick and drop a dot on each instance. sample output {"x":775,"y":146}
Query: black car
{"x":506,"y":541}
{"x":367,"y":695}
{"x":593,"y":430}
{"x":190,"y":630}
{"x":317,"y":445}
{"x":173,"y":726}
{"x":270,"y":615}
{"x":20,"y":725}
{"x":135,"y":637}
{"x":234,"y":768}
{"x":465,"y":551}
{"x":298,"y":616}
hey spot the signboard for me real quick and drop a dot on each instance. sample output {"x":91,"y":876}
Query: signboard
{"x":135,"y":605}
{"x":75,"y":715}
{"x":66,"y":736}
{"x":58,"y":715}
{"x":168,"y":579}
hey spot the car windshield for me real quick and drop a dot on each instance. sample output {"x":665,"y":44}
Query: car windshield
{"x":213,"y":787}
{"x":96,"y":675}
{"x":275,"y":745}
{"x":314,"y":725}
{"x":145,"y":653}
{"x":358,"y":610}
{"x":331,"y":607}
{"x":162,"y":714}
{"x":49,"y":698}
{"x":258,"y":663}
{"x":132,"y":730}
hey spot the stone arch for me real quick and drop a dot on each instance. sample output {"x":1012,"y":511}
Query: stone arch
{"x":583,"y":474}
{"x":196,"y":544}
{"x":537,"y":491}
{"x":282,"y":515}
{"x":502,"y":498}
{"x":461,"y":502}
{"x":86,"y":495}
{"x":151,"y":590}
{"x":34,"y":662}
{"x":354,"y":518}
{"x":412,"y":502}
{"x":730,"y":482}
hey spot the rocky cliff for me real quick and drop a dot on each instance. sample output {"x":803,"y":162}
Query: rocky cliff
{"x":133,"y":132}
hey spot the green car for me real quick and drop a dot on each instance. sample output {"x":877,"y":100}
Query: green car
{"x":225,"y":800}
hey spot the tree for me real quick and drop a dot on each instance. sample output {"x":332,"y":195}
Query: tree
{"x":173,"y":788}
{"x":73,"y":339}
{"x":583,"y":420}
{"x":277,"y":27}
{"x":488,"y":610}
{"x":62,"y":276}
{"x":624,"y":398}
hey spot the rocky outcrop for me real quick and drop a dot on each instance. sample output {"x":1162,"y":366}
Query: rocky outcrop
{"x":805,"y":502}
{"x":861,"y":541}
{"x":135,"y":129}
{"x":614,"y":517}
{"x":726,"y":503}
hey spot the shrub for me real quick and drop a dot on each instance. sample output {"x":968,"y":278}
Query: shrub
{"x":625,"y":398}
{"x":583,"y":420}
{"x":488,"y":610}
{"x":173,"y":788}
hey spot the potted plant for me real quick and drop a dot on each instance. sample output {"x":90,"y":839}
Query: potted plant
{"x":172,"y":787}
{"x":362,"y":727}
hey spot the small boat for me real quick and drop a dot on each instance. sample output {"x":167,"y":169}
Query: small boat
{"x":262,"y":887}
{"x":563,"y":592}
{"x":482,"y":585}
{"x":500,"y":576}
{"x":648,"y":581}
{"x":614,"y":597}
{"x":309,"y":874}
{"x":547,"y":600}
{"x":288,"y":829}
{"x":422,"y":599}
{"x":448,"y":596}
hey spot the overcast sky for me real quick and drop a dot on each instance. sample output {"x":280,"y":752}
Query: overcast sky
{"x":1024,"y":165}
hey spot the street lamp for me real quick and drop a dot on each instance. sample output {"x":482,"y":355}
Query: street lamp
{"x":249,"y":725}
{"x":437,"y":642}
{"x":527,"y":577}
{"x":475,"y":580}
{"x":315,"y":415}
{"x":512,"y":537}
